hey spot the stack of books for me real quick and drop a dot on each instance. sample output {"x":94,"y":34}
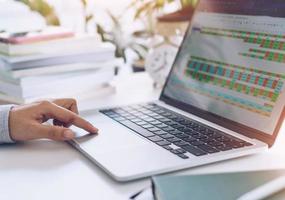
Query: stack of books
{"x":54,"y":63}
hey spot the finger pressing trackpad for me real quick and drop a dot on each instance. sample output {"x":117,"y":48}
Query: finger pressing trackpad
{"x":80,"y":133}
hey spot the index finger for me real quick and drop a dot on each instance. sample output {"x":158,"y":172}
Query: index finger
{"x":82,"y":123}
{"x":66,"y":116}
{"x":67,"y":103}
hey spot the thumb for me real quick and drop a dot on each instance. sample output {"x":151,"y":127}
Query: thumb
{"x":55,"y":133}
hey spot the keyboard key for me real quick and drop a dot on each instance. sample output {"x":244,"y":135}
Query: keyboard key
{"x":176,"y":132}
{"x":200,"y":136}
{"x":193,"y":150}
{"x":167,"y":148}
{"x":160,"y":111}
{"x":156,"y":122}
{"x":214,"y":143}
{"x":182,"y":136}
{"x":179,"y":119}
{"x":197,"y":143}
{"x":168,"y":129}
{"x":153,"y":129}
{"x":155,"y":138}
{"x":217,"y":135}
{"x":166,"y":136}
{"x":125,"y":114}
{"x":132,"y":117}
{"x":166,"y":114}
{"x":141,"y":123}
{"x":163,"y":143}
{"x":147,"y":112}
{"x":191,"y":132}
{"x":174,"y":140}
{"x":119,"y":118}
{"x":137,"y":128}
{"x":202,"y":129}
{"x":149,"y":119}
{"x":164,"y":120}
{"x":136,"y":113}
{"x":195,"y":127}
{"x":180,"y":150}
{"x":182,"y":156}
{"x":189,"y":139}
{"x":209,"y":131}
{"x":223,"y":139}
{"x":147,"y":126}
{"x":136,"y":120}
{"x":186,"y":122}
{"x":182,"y":128}
{"x":179,"y":127}
{"x":161,"y":125}
{"x":207,"y":148}
{"x":173,"y":117}
{"x":223,"y":148}
{"x":237,"y":145}
{"x":181,"y":143}
{"x":143,"y":117}
{"x":170,"y":123}
{"x":235,"y":139}
{"x":207,"y":140}
{"x":158,"y":117}
{"x":175,"y":151}
{"x":160,"y":132}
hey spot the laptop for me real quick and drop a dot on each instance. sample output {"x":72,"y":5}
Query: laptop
{"x":224,"y":97}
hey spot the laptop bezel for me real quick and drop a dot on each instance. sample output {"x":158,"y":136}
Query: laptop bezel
{"x":227,"y":123}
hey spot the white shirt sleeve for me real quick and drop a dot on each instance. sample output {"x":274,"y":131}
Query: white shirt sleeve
{"x":4,"y":124}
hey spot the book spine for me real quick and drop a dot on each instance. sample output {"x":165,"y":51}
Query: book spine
{"x":155,"y":193}
{"x":99,"y":57}
{"x":27,"y":40}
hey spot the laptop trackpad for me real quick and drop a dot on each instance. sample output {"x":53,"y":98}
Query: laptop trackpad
{"x":112,"y":136}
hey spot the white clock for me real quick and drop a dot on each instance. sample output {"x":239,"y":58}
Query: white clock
{"x":159,"y":61}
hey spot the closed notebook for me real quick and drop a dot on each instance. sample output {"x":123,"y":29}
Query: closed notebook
{"x":225,"y":186}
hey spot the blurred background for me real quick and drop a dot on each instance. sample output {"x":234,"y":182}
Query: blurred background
{"x":48,"y":46}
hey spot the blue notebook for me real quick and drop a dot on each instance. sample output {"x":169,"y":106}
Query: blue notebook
{"x":225,"y":186}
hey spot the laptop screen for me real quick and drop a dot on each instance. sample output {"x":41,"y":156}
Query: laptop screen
{"x":231,"y":64}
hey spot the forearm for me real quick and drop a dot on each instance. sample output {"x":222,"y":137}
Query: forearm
{"x":4,"y":124}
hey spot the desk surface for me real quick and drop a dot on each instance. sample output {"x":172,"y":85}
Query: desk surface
{"x":52,"y":170}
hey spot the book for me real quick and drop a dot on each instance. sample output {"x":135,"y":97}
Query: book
{"x":97,"y":54}
{"x":89,"y":93}
{"x":47,"y":34}
{"x":79,"y":42}
{"x":11,"y":75}
{"x":36,"y":86}
{"x":226,"y":186}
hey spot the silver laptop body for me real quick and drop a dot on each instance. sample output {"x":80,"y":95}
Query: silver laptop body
{"x":228,"y":74}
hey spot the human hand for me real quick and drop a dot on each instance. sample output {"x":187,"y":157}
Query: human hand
{"x":26,"y":121}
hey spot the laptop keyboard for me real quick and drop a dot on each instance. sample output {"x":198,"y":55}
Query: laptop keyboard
{"x":174,"y":132}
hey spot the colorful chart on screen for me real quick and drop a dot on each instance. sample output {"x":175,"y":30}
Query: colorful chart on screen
{"x":233,"y":66}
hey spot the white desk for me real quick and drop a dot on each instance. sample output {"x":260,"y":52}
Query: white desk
{"x":48,"y":170}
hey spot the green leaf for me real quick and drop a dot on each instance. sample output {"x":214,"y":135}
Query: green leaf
{"x":114,"y":19}
{"x":100,"y":31}
{"x":142,"y":9}
{"x":120,"y":53}
{"x":84,"y":3}
{"x":88,"y":18}
{"x":44,"y":9}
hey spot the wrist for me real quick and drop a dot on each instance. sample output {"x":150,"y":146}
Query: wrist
{"x":5,"y":136}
